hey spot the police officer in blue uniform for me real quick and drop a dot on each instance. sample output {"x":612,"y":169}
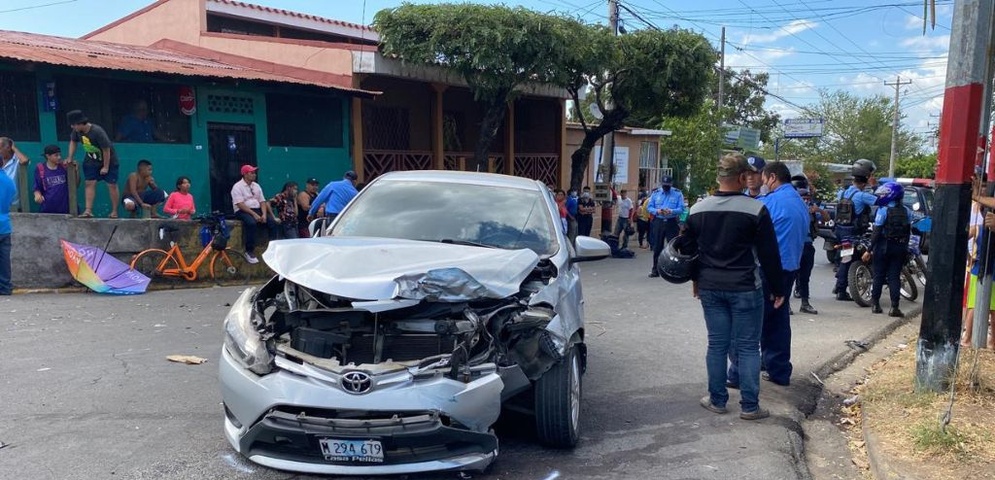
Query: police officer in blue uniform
{"x":889,"y":245}
{"x":804,"y":189}
{"x":665,"y":207}
{"x":853,"y":208}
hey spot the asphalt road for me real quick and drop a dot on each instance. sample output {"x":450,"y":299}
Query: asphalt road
{"x":86,"y":391}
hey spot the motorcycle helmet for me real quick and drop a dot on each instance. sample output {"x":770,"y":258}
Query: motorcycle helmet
{"x":889,"y":192}
{"x":863,"y":168}
{"x":674,"y":266}
{"x":799,"y":182}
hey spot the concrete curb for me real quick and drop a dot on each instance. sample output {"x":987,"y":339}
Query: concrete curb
{"x":881,"y":469}
{"x":879,"y":466}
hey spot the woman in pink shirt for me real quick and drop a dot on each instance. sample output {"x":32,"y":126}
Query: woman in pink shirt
{"x":180,"y":203}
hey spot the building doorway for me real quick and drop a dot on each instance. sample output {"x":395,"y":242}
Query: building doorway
{"x":230,"y":145}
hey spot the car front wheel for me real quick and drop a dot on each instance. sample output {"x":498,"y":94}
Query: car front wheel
{"x":557,"y":403}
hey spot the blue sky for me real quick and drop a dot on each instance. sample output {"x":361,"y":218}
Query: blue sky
{"x":806,"y":45}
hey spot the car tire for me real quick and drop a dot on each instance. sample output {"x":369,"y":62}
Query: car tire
{"x":557,"y":402}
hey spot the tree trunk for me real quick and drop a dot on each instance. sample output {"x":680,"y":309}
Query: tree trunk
{"x":580,"y":158}
{"x":493,"y":118}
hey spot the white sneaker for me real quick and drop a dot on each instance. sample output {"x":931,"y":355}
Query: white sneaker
{"x":251,"y":258}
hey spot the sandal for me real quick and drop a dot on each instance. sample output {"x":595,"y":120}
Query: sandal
{"x":86,"y":214}
{"x":113,"y":215}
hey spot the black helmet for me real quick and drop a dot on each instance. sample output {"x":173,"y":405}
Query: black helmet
{"x":863,"y":168}
{"x":674,"y":266}
{"x":799,"y":182}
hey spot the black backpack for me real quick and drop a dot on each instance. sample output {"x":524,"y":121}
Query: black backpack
{"x":897,"y":227}
{"x":845,"y":211}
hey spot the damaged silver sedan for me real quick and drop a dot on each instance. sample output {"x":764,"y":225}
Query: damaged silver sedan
{"x":391,"y":343}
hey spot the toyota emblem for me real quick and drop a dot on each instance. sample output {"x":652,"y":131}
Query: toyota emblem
{"x":357,"y":382}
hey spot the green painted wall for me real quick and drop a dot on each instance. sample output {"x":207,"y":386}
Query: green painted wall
{"x":277,"y":164}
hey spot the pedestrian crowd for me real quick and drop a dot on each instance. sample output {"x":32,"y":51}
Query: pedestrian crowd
{"x":285,"y":215}
{"x":750,"y":244}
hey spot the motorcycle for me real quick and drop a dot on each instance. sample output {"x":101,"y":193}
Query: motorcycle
{"x":915,"y":266}
{"x":861,"y":273}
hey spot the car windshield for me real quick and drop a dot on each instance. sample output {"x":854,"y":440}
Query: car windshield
{"x":500,"y":217}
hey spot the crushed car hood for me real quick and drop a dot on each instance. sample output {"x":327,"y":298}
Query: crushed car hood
{"x":385,"y":268}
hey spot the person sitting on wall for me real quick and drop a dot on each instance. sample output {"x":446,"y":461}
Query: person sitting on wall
{"x":52,"y":182}
{"x":138,"y":127}
{"x":142,"y":191}
{"x":180,"y":203}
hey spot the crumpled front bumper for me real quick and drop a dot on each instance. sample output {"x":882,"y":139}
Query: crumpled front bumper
{"x":435,"y":424}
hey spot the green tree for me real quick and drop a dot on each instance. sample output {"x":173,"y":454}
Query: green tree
{"x":859,"y":127}
{"x":640,"y":76}
{"x":692,"y":149}
{"x":920,"y":165}
{"x":743,"y":102}
{"x":495,"y":49}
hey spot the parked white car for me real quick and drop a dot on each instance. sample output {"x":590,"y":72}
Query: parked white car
{"x":390,"y":344}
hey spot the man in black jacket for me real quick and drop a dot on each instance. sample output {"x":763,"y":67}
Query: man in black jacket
{"x":731,"y":233}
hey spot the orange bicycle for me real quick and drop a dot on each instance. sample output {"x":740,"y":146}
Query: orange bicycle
{"x":227,"y":265}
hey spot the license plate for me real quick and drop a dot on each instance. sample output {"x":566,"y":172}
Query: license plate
{"x":847,"y":252}
{"x":362,"y":451}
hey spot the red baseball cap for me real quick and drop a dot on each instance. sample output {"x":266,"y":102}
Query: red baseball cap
{"x":248,"y":169}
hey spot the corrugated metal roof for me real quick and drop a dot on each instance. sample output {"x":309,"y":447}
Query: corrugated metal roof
{"x":30,"y":47}
{"x":289,"y":13}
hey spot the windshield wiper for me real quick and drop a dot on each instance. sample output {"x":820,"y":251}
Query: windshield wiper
{"x":455,"y":241}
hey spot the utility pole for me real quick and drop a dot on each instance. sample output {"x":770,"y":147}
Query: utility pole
{"x":608,"y":145}
{"x":894,"y":124}
{"x":960,"y":130}
{"x":722,"y":84}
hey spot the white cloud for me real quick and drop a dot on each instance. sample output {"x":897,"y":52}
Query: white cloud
{"x":792,"y":28}
{"x":755,"y":60}
{"x":913,"y":22}
{"x":927,"y":44}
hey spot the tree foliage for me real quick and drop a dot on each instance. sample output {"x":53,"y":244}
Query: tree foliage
{"x":693,"y":150}
{"x":856,"y":127}
{"x":496,"y":49}
{"x":920,"y":165}
{"x":641,"y":75}
{"x":743,"y":102}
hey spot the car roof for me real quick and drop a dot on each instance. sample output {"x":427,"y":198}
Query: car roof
{"x":471,"y":178}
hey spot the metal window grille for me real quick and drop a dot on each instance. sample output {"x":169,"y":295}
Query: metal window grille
{"x":231,"y":104}
{"x":19,"y":108}
{"x":386,"y":128}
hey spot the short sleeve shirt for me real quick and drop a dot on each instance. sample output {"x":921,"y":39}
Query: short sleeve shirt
{"x":249,"y":194}
{"x":94,"y":142}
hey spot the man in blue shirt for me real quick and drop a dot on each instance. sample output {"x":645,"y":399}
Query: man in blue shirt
{"x":791,"y":226}
{"x":862,"y":202}
{"x":572,"y":211}
{"x":7,"y":194}
{"x":665,"y":207}
{"x":336,"y":195}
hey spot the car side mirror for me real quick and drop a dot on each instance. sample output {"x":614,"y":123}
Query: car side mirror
{"x":317,"y":227}
{"x":588,"y":249}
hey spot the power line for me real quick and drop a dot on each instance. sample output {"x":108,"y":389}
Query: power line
{"x":32,"y":7}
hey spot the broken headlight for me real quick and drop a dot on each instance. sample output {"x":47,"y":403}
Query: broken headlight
{"x":241,"y":338}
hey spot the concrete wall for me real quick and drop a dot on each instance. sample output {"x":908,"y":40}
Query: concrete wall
{"x":38,"y":261}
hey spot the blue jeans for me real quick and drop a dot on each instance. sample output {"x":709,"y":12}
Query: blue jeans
{"x":5,"y":286}
{"x":734,"y":321}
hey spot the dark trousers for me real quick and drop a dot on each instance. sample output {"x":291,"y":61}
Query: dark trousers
{"x":5,"y":246}
{"x":643,"y":230}
{"x":662,"y":231}
{"x":775,"y":338}
{"x":584,"y":225}
{"x":805,"y":270}
{"x":250,"y":229}
{"x":843,"y":269}
{"x":888,"y":263}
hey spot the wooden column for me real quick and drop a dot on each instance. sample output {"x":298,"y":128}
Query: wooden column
{"x":509,"y":140}
{"x":438,"y":126}
{"x":356,"y":125}
{"x":564,"y":154}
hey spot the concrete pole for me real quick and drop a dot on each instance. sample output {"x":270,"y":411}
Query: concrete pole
{"x":894,"y":124}
{"x":939,"y":333}
{"x":608,"y":145}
